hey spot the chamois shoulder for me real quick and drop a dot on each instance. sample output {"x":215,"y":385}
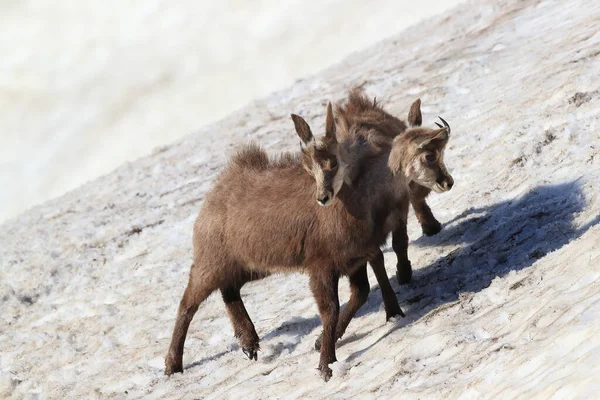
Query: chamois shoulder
{"x":253,"y":157}
{"x":358,"y":103}
{"x":368,"y":117}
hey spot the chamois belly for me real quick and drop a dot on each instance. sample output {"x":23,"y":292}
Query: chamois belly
{"x":267,"y":240}
{"x":351,"y":248}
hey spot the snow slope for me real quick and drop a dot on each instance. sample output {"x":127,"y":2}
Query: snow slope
{"x":86,"y":85}
{"x":505,"y":301}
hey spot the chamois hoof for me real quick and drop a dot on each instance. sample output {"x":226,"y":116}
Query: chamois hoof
{"x":171,"y":368}
{"x":394,"y":314}
{"x":431,"y":228}
{"x":251,"y":353}
{"x":326,"y":373}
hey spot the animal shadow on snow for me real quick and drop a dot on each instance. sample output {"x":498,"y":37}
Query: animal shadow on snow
{"x":492,"y":241}
{"x":292,"y":332}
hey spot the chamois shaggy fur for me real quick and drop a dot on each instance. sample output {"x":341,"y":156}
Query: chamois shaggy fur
{"x":236,"y":242}
{"x":330,"y":169}
{"x":359,"y":116}
{"x":365,"y":127}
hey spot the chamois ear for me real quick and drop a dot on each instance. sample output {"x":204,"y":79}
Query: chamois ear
{"x":396,"y":156}
{"x":414,"y":115}
{"x":330,"y":123}
{"x":437,"y":135}
{"x":302,"y":129}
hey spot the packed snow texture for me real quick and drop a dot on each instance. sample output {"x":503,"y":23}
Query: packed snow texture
{"x":87,"y":85}
{"x":505,"y":301}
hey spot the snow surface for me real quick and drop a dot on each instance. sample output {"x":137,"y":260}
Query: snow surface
{"x":505,"y":301}
{"x":87,"y":85}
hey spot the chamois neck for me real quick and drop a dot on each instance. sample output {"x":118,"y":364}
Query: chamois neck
{"x":370,"y":178}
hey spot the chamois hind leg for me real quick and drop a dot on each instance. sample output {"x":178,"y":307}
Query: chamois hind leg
{"x":390,"y":301}
{"x":429,"y":224}
{"x":324,"y":286}
{"x":195,"y":293}
{"x":240,"y":320}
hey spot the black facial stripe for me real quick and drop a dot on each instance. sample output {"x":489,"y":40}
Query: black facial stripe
{"x":328,"y":177}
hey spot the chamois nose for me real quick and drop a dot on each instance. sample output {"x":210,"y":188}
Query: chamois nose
{"x":323,"y":200}
{"x":449,"y":182}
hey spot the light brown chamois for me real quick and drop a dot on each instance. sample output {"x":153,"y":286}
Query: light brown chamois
{"x":236,"y":241}
{"x":373,"y":124}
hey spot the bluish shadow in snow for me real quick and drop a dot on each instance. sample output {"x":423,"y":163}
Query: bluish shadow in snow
{"x":493,"y":240}
{"x":205,"y":360}
{"x":289,"y":335}
{"x":504,"y":237}
{"x":295,"y":326}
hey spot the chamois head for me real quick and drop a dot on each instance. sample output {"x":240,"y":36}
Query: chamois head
{"x":418,"y":153}
{"x":321,"y":158}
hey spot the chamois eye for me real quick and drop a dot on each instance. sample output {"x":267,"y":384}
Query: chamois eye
{"x":430,"y":157}
{"x":333,"y":163}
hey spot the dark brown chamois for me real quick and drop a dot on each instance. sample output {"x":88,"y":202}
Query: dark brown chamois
{"x":363,"y":123}
{"x":374,"y":125}
{"x":329,"y":169}
{"x":331,"y":166}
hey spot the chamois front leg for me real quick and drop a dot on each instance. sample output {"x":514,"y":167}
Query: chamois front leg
{"x":400,"y":245}
{"x":390,"y":301}
{"x":359,"y":292}
{"x":429,"y":224}
{"x":324,"y":286}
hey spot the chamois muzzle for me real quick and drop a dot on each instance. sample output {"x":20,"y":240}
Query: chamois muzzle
{"x":325,"y":199}
{"x":448,"y":183}
{"x":444,"y":183}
